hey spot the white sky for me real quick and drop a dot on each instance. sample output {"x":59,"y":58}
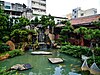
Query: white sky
{"x":63,"y":7}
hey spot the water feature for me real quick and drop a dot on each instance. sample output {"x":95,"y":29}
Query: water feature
{"x":41,"y":65}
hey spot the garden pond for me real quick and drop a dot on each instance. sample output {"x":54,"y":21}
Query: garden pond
{"x":41,"y":65}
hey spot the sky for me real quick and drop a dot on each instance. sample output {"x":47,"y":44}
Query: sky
{"x":63,"y":7}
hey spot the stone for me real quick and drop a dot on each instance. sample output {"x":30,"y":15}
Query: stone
{"x":21,"y":67}
{"x":55,"y":60}
{"x":11,"y":44}
{"x":41,"y":52}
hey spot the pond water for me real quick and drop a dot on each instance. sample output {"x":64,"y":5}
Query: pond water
{"x":41,"y":65}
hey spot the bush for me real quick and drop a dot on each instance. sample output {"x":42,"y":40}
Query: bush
{"x":15,"y":52}
{"x":4,"y":48}
{"x":5,"y":38}
{"x":76,"y":51}
{"x":97,"y":51}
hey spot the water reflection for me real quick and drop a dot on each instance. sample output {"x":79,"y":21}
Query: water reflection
{"x":58,"y":70}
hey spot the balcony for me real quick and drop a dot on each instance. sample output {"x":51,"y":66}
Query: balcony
{"x":39,"y":1}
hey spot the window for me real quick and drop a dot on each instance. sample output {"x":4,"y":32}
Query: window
{"x":74,"y":11}
{"x":82,"y":14}
{"x":7,"y":7}
{"x":95,"y":11}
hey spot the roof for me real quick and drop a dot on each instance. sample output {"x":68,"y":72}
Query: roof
{"x":83,"y":20}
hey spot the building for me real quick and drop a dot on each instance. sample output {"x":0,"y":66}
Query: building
{"x":77,"y":12}
{"x":16,"y":10}
{"x":69,"y":16}
{"x":38,"y":6}
{"x":13,"y":9}
{"x":85,"y":21}
{"x":59,"y":19}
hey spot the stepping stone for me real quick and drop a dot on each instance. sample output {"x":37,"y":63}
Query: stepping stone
{"x":41,"y":53}
{"x":55,"y":60}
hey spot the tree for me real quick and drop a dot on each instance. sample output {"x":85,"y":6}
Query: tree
{"x":65,"y":31}
{"x":97,"y":23}
{"x":3,"y":24}
{"x":47,"y":21}
{"x":22,"y":23}
{"x":81,"y":31}
{"x":35,"y":21}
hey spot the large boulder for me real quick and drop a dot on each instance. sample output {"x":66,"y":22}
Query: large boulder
{"x":11,"y":44}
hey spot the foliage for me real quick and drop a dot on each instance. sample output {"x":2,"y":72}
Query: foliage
{"x":3,"y":24}
{"x":65,"y":31}
{"x":81,"y":30}
{"x":15,"y":52}
{"x":19,"y":35}
{"x":75,"y":51}
{"x":92,"y":34}
{"x":4,"y":71}
{"x":22,"y":23}
{"x":4,"y":48}
{"x":97,"y":23}
{"x":5,"y":38}
{"x":91,"y":60}
{"x":35,"y":21}
{"x":47,"y":21}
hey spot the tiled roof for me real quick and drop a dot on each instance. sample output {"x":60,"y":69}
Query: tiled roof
{"x":87,"y":19}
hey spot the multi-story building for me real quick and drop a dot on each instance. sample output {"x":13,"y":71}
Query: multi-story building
{"x":16,"y":10}
{"x":38,"y":6}
{"x":69,"y":16}
{"x":13,"y":9}
{"x":77,"y":12}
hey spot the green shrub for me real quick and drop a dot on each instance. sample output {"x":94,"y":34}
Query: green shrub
{"x":97,"y":51}
{"x":76,"y":51}
{"x":91,"y":60}
{"x":5,"y":38}
{"x":4,"y":48}
{"x":15,"y":52}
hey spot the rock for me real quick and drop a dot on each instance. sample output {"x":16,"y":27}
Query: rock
{"x":21,"y":67}
{"x":55,"y":60}
{"x":3,"y":57}
{"x":27,"y":66}
{"x":11,"y":44}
